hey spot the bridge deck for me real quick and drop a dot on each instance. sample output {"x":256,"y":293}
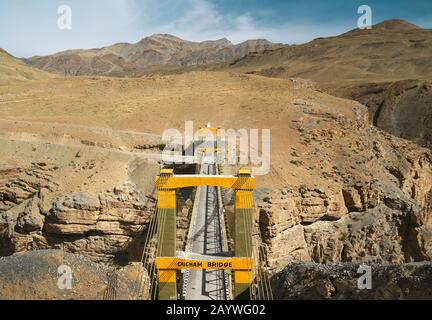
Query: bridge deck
{"x":206,"y":240}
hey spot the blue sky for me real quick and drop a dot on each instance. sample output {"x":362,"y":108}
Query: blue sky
{"x":29,"y":27}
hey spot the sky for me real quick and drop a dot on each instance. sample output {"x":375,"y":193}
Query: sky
{"x":30,"y":27}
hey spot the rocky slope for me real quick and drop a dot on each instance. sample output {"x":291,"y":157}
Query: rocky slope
{"x":377,"y":210}
{"x":43,"y":204}
{"x":402,"y":108}
{"x":35,"y":276}
{"x":384,"y":68}
{"x":60,"y":197}
{"x":307,"y":281}
{"x":156,"y":53}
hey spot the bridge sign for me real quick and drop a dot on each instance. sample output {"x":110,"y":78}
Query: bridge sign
{"x":168,"y":263}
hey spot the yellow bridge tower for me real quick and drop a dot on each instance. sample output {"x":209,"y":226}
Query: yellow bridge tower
{"x":168,"y":263}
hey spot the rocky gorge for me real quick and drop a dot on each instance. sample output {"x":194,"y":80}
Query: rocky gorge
{"x":77,"y":171}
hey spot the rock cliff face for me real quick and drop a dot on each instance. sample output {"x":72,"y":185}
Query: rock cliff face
{"x":379,"y":208}
{"x":101,"y":228}
{"x":402,"y":108}
{"x":110,"y":227}
{"x":335,"y":282}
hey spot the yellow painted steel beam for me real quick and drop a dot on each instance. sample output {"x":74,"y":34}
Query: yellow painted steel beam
{"x":213,"y":129}
{"x":167,"y":285}
{"x":166,"y":199}
{"x":167,"y":276}
{"x":175,"y":182}
{"x":169,"y":263}
{"x":167,"y":172}
{"x":167,"y":279}
{"x":244,"y":172}
{"x":243,"y":277}
{"x":244,"y":199}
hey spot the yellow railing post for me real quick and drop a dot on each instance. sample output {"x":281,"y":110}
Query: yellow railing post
{"x":243,"y":233}
{"x":167,"y":279}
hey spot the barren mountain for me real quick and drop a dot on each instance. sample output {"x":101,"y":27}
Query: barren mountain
{"x":391,"y":50}
{"x":158,"y":52}
{"x":365,"y":65}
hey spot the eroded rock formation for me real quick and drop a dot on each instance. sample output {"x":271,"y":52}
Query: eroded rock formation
{"x":362,"y":218}
{"x":402,"y":108}
{"x":326,"y":282}
{"x":33,"y":217}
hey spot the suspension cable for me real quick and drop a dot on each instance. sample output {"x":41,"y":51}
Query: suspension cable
{"x":141,"y":275}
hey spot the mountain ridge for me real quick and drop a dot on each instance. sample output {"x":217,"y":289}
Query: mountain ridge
{"x":158,"y":51}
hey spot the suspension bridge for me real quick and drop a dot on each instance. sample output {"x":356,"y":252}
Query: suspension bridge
{"x":208,"y":267}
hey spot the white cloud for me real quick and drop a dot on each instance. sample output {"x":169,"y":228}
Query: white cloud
{"x":199,"y":20}
{"x":202,"y":21}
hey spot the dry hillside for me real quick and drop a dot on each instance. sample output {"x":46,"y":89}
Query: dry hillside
{"x":391,"y":50}
{"x":13,"y":70}
{"x":387,"y":68}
